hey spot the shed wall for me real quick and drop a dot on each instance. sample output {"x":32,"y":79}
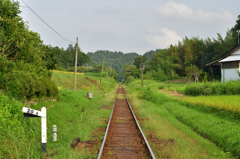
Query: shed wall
{"x":229,"y":74}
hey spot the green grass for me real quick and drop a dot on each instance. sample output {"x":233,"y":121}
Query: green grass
{"x":220,"y":129}
{"x":66,"y":82}
{"x":74,"y":115}
{"x":162,"y":124}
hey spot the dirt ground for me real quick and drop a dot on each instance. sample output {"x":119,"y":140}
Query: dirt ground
{"x":174,"y":93}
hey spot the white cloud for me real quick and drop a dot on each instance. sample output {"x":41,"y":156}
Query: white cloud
{"x":162,"y":38}
{"x":179,"y":10}
{"x":175,"y":9}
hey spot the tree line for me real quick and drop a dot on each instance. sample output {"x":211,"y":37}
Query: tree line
{"x":25,"y":62}
{"x":188,"y":56}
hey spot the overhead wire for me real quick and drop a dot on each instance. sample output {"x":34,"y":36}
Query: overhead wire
{"x":63,"y":38}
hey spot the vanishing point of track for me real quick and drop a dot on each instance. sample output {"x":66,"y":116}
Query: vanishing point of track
{"x":124,"y":137}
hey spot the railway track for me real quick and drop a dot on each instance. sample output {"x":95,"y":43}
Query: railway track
{"x":124,"y":137}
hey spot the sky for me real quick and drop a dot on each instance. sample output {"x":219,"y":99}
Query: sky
{"x":128,"y":25}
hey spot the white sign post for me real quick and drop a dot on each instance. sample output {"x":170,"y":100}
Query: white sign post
{"x":54,"y":133}
{"x":89,"y":95}
{"x":44,"y":129}
{"x":43,"y":114}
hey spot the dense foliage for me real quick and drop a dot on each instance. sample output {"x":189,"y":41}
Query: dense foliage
{"x":192,"y":52}
{"x":188,"y":57}
{"x":24,"y":59}
{"x":67,"y":57}
{"x":115,"y":60}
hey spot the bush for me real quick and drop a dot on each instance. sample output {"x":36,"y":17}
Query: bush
{"x":129,"y":79}
{"x":51,"y":88}
{"x":23,"y":84}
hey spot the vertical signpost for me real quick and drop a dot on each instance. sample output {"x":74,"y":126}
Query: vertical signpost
{"x":75,"y":74}
{"x":102,"y":71}
{"x":44,"y":129}
{"x":43,"y":114}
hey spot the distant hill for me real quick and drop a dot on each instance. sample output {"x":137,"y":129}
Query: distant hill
{"x":112,"y":59}
{"x":150,"y":53}
{"x":116,"y":59}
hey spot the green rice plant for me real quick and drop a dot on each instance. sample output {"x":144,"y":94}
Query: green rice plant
{"x":227,"y":103}
{"x":224,"y":133}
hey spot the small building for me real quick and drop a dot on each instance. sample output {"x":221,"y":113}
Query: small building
{"x":229,"y":63}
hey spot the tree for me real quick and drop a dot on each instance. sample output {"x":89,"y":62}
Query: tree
{"x":138,"y":60}
{"x":194,"y":72}
{"x":128,"y":70}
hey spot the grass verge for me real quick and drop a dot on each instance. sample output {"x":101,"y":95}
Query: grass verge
{"x":74,"y":114}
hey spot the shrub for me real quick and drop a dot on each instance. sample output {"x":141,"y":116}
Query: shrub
{"x":129,"y":79}
{"x":51,"y":88}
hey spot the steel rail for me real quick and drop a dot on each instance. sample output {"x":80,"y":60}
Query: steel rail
{"x":145,"y":139}
{"x":106,"y":132}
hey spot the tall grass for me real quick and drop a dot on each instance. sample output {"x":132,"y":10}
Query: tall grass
{"x":214,"y":88}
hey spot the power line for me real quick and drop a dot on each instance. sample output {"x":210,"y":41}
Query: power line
{"x":63,"y":38}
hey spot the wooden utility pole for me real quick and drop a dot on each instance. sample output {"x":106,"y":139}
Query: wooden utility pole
{"x":142,"y":69}
{"x":75,"y":79}
{"x":107,"y":77}
{"x":102,"y":71}
{"x":111,"y":72}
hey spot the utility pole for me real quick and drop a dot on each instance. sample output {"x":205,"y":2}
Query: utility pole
{"x":75,"y":79}
{"x":111,"y":73}
{"x":107,"y":77}
{"x":102,"y":71}
{"x":142,"y":69}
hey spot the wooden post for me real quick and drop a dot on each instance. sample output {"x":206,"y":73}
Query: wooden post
{"x":142,"y":69}
{"x":107,"y":77}
{"x":75,"y":78}
{"x":211,"y":74}
{"x":102,"y":71}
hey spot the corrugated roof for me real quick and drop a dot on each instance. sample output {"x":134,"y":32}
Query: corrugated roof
{"x":214,"y":63}
{"x":231,"y":58}
{"x":231,"y":51}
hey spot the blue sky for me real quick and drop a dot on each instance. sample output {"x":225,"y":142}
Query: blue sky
{"x":129,"y":25}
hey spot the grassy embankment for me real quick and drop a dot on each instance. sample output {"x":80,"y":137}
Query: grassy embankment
{"x":191,"y":126}
{"x":74,"y":115}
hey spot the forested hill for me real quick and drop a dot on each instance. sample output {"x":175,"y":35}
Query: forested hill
{"x":116,"y":59}
{"x":112,"y":59}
